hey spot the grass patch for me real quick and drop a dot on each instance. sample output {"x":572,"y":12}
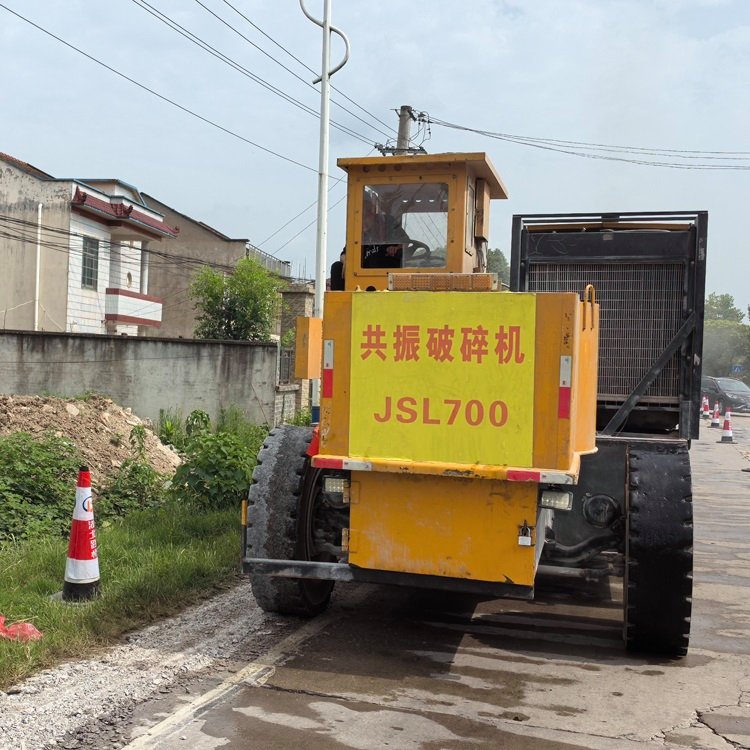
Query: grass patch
{"x":152,"y":563}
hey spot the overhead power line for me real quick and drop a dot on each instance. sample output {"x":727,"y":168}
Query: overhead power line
{"x":59,"y":239}
{"x":307,"y":67}
{"x":691,"y":159}
{"x":151,"y":91}
{"x":206,"y":47}
{"x":289,"y":70}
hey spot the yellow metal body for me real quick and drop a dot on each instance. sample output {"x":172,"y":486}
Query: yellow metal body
{"x":460,"y":528}
{"x":454,"y":443}
{"x":307,"y":347}
{"x":450,"y":406}
{"x":452,"y":412}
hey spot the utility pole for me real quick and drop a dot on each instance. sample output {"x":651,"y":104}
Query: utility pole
{"x":321,"y":242}
{"x":405,"y":117}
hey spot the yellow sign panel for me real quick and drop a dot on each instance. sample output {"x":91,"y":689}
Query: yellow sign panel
{"x":444,"y":376}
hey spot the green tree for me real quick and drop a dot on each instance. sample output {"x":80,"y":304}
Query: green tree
{"x":241,"y":306}
{"x":726,"y":344}
{"x":498,"y":263}
{"x":722,"y":307}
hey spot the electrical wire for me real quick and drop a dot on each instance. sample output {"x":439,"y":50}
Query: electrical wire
{"x":296,"y":216}
{"x":166,"y":257}
{"x":307,"y":226}
{"x":615,"y":153}
{"x":190,"y":36}
{"x":151,"y":91}
{"x":288,"y":70}
{"x":307,"y":67}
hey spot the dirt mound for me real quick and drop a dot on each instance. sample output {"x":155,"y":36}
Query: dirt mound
{"x":98,"y":427}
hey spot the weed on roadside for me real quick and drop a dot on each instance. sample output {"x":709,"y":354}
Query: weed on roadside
{"x":36,"y":474}
{"x":152,"y":564}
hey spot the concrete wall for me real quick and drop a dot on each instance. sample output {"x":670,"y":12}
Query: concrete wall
{"x":20,"y":196}
{"x":146,"y":374}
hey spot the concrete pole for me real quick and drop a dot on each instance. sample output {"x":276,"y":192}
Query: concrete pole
{"x":405,"y":117}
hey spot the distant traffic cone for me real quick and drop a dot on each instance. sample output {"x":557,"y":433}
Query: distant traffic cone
{"x":716,"y":419}
{"x":726,"y":431}
{"x":82,"y":566}
{"x":706,"y":413}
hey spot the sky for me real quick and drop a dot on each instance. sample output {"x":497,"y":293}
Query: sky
{"x":649,"y":74}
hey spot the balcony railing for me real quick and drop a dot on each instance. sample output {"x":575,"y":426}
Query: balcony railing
{"x":124,"y":307}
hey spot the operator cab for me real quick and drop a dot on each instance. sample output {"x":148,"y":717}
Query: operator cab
{"x":415,"y":214}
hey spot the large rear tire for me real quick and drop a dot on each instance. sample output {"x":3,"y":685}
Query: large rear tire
{"x":659,"y":550}
{"x":281,"y":516}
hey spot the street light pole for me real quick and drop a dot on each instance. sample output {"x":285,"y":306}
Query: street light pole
{"x":322,"y":231}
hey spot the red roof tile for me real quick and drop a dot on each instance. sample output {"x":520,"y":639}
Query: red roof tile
{"x":121,"y":212}
{"x":32,"y":170}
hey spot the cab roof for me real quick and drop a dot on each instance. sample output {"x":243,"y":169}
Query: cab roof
{"x":478,"y":163}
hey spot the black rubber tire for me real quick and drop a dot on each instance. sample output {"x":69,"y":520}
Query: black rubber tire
{"x":658,"y":586}
{"x":282,"y":487}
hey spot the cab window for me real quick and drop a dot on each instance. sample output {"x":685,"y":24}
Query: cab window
{"x":405,"y":225}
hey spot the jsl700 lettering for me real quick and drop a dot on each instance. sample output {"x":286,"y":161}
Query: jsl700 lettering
{"x":449,"y":411}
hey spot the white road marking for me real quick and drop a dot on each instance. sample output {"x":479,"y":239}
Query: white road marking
{"x":254,"y":673}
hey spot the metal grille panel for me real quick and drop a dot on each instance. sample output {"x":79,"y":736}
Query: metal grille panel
{"x":640,"y":306}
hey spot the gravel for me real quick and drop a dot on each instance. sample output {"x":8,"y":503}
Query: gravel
{"x":87,"y":703}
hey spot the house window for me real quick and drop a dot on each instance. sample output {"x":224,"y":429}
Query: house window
{"x":90,"y":270}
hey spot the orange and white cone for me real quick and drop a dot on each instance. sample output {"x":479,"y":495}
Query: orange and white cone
{"x":726,"y":430}
{"x":82,"y":566}
{"x":716,"y":419}
{"x":706,"y":408}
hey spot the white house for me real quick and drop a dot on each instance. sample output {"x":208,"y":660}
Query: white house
{"x":76,"y":253}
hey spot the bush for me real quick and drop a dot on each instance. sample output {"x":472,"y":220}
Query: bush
{"x":233,"y":420}
{"x":302,"y":418}
{"x":172,"y":429}
{"x":197,"y":422}
{"x":216,"y":472}
{"x":135,"y":486}
{"x":37,"y":481}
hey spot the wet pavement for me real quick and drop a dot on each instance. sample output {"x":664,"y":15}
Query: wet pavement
{"x":414,"y":670}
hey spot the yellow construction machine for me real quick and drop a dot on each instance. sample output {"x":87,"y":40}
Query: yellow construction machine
{"x":454,"y":415}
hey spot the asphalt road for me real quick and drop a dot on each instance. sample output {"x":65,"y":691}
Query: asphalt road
{"x":393,"y":668}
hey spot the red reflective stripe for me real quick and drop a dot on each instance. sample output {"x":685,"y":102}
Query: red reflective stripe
{"x":328,"y":463}
{"x":563,"y":409}
{"x":84,"y":479}
{"x":327,"y":383}
{"x":519,"y":475}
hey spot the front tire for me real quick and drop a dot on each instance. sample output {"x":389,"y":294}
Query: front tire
{"x":281,"y":514}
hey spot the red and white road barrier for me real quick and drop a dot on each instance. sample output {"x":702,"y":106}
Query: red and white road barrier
{"x":706,"y":408}
{"x":82,"y":565}
{"x":726,"y":430}
{"x":716,"y":418}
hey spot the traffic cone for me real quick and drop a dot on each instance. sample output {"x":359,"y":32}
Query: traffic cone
{"x":706,"y":413}
{"x":82,"y":566}
{"x":726,"y":431}
{"x":716,"y":419}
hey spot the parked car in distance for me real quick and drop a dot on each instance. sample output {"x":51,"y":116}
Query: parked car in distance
{"x":728,"y":392}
